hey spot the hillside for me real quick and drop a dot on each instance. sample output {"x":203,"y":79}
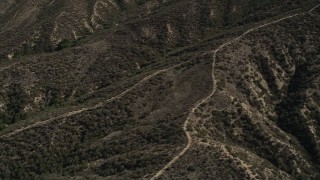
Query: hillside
{"x":159,"y":89}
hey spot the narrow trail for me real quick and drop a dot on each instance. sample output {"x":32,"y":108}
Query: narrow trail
{"x":68,"y":114}
{"x":187,"y":133}
{"x":313,"y":8}
{"x":196,"y":106}
{"x":72,"y":113}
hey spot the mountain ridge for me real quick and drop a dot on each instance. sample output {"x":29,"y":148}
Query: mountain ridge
{"x":141,"y":88}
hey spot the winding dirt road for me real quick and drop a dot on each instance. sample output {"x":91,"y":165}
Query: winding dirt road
{"x":168,"y":165}
{"x":188,"y":135}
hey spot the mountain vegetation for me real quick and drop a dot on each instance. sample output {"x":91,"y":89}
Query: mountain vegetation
{"x":109,"y":89}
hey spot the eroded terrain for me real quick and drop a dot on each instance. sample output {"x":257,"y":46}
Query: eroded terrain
{"x":216,"y":90}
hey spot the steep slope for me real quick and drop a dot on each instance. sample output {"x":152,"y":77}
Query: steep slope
{"x":96,"y":140}
{"x":138,"y":44}
{"x":29,"y":27}
{"x":262,"y":120}
{"x":100,"y":91}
